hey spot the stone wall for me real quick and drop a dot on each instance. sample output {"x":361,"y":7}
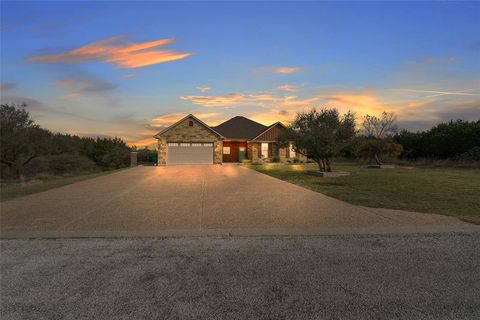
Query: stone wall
{"x":217,"y":152}
{"x":162,"y":152}
{"x":254,"y":148}
{"x":182,"y":132}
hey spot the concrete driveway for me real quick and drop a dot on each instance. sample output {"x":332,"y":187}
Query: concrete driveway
{"x":200,"y":200}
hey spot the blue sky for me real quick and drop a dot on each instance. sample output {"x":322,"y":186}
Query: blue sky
{"x":128,"y":68}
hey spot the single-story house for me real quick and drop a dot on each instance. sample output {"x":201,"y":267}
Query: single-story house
{"x":191,"y":141}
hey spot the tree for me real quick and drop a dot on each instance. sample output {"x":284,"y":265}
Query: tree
{"x":445,"y":140}
{"x":377,"y":137}
{"x":319,"y":135}
{"x":21,"y":140}
{"x":110,"y":153}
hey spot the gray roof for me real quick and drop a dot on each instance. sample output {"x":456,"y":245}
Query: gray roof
{"x":240,"y":128}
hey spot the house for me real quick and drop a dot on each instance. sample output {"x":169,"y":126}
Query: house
{"x":191,"y":141}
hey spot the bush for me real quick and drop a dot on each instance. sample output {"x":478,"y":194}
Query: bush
{"x":471,"y":155}
{"x":275,"y":159}
{"x":62,"y":164}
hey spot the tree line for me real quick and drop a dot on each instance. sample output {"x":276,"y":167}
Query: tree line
{"x":25,"y":147}
{"x":457,"y":140}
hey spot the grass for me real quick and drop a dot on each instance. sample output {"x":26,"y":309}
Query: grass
{"x":11,"y":192}
{"x":447,"y":191}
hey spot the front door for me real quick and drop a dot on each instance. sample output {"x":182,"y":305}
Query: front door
{"x":241,"y":154}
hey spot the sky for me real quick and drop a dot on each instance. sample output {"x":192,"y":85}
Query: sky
{"x":128,"y":69}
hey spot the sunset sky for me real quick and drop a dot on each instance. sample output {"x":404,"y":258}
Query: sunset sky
{"x":128,"y":68}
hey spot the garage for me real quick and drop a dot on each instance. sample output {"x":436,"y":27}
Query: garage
{"x":189,"y":153}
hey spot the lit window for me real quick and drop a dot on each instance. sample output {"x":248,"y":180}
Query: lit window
{"x":226,"y":150}
{"x":196,"y":144}
{"x":208,"y":144}
{"x":173,"y":144}
{"x":264,"y":150}
{"x":184,"y":144}
{"x":292,"y":151}
{"x":190,"y":123}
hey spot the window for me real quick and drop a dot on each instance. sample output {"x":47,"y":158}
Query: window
{"x":184,"y":144}
{"x":190,"y":123}
{"x":196,"y":144}
{"x":226,"y":150}
{"x":173,"y":144}
{"x":208,"y":144}
{"x":264,"y":150}
{"x":292,"y":151}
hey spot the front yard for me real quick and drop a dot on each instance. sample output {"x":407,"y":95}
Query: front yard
{"x":447,"y":191}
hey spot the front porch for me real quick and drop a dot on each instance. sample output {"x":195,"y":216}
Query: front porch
{"x":256,"y":152}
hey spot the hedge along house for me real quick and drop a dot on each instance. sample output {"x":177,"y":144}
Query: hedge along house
{"x":191,"y":141}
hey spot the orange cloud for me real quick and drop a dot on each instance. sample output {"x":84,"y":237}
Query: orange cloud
{"x":129,"y":75}
{"x":171,"y":118}
{"x":117,"y":50}
{"x":286,"y":70}
{"x":215,"y":101}
{"x":361,"y":103}
{"x":142,"y":142}
{"x":260,"y":99}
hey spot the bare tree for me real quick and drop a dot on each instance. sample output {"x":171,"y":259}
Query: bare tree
{"x":377,"y":136}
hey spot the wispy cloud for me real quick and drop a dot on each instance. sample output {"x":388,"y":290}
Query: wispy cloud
{"x":169,"y":118}
{"x":435,"y":60}
{"x":437,"y":93}
{"x":117,"y":50}
{"x":79,"y":86}
{"x":216,"y":101}
{"x":7,"y":86}
{"x":287,"y":87}
{"x":203,"y":88}
{"x":286,"y":70}
{"x":41,"y":109}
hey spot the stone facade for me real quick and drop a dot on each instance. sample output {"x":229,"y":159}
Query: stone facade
{"x":217,"y":152}
{"x":162,"y":152}
{"x":183,"y":132}
{"x":255,"y":147}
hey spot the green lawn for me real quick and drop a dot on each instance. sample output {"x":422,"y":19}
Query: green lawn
{"x":447,"y":191}
{"x":11,"y":192}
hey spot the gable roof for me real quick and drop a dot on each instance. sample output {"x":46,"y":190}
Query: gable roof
{"x":183,"y":119}
{"x":268,"y":128}
{"x":240,"y":128}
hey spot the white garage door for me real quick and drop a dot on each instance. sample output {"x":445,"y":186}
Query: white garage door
{"x":189,"y":153}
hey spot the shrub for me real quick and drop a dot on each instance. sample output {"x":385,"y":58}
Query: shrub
{"x":61,"y":164}
{"x":275,"y":159}
{"x":471,"y":155}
